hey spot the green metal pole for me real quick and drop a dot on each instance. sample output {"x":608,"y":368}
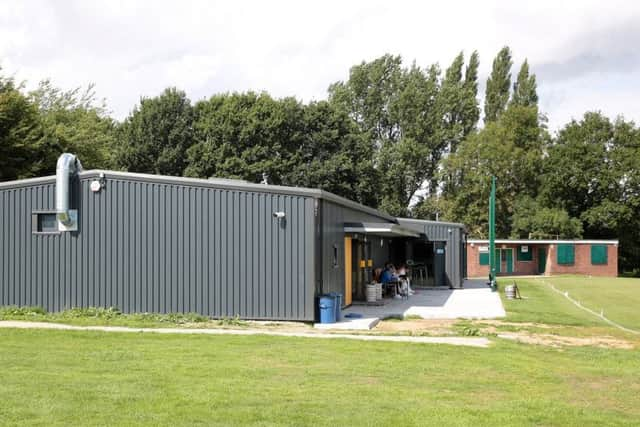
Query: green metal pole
{"x":492,"y":234}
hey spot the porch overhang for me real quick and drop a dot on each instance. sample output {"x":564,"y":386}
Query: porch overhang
{"x":383,"y":229}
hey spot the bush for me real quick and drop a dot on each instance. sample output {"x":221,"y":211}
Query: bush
{"x":12,"y":311}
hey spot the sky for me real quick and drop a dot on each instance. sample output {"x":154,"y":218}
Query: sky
{"x":584,"y":53}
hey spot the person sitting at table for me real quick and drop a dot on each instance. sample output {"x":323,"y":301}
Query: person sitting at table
{"x":389,"y":277}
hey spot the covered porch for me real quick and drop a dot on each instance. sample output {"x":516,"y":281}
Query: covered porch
{"x":370,"y":246}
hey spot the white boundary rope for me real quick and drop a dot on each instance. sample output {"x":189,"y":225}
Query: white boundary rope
{"x":588,"y":310}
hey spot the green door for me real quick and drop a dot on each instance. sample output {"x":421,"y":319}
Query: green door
{"x":498,"y":261}
{"x":542,"y":260}
{"x":509,"y":260}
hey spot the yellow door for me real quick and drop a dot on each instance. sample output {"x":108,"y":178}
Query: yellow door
{"x":347,"y":271}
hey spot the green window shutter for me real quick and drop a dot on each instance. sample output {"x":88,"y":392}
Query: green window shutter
{"x":484,"y":258}
{"x":566,"y":254}
{"x":525,"y":256}
{"x":598,"y":254}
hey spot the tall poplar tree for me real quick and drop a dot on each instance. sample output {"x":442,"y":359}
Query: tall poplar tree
{"x":525,"y":88}
{"x":472,"y":111}
{"x":498,"y":85}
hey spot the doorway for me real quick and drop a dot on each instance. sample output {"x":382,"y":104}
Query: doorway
{"x":507,"y":258}
{"x":439,"y":263}
{"x":504,"y":257}
{"x":357,"y":272}
{"x":348,"y":272}
{"x":542,"y":260}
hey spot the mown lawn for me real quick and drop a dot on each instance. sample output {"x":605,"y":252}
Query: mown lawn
{"x":618,"y":297}
{"x":86,"y":378}
{"x":90,"y":378}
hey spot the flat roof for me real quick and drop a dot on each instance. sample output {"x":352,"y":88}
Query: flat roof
{"x":545,"y":242}
{"x":385,"y":229}
{"x":230,"y":184}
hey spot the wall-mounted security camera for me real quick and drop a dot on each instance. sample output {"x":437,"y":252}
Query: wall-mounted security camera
{"x":279,"y":215}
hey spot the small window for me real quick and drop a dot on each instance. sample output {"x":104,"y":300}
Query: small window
{"x":524,"y":253}
{"x":599,"y":254}
{"x":44,"y":222}
{"x":566,"y":254}
{"x":484,"y":258}
{"x":335,"y":256}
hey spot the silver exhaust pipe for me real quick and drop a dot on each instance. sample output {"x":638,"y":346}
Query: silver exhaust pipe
{"x":67,"y":166}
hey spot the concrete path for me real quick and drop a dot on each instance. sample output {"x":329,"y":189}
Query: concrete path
{"x":474,"y":301}
{"x":464,"y":341}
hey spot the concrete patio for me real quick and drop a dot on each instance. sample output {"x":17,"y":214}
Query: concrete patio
{"x":474,"y":301}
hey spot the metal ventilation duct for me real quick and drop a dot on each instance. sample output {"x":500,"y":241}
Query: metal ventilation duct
{"x":67,"y":166}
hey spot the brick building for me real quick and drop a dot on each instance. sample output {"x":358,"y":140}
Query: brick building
{"x":547,"y":257}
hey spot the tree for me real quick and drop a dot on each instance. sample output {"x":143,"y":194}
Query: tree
{"x":524,"y":89}
{"x":334,"y":156}
{"x":156,"y":135}
{"x":395,"y":108}
{"x":315,"y":145}
{"x":593,"y":172}
{"x":459,"y":108}
{"x":532,"y":221}
{"x":472,"y":111}
{"x":21,"y":143}
{"x":498,"y":85}
{"x":512,"y":150}
{"x":458,"y":102}
{"x":74,"y":121}
{"x":245,"y":136}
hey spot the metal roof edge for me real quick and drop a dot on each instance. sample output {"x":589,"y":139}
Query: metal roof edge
{"x":545,"y":241}
{"x":230,"y":184}
{"x":209,"y":183}
{"x":7,"y":185}
{"x":241,"y":185}
{"x":326,"y":195}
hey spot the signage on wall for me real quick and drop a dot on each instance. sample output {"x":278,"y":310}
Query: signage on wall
{"x":439,"y":251}
{"x":483,"y":248}
{"x":524,"y":249}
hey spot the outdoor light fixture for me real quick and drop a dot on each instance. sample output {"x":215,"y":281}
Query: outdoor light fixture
{"x":280,"y":216}
{"x":97,"y":184}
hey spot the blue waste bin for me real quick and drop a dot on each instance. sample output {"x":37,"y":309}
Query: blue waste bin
{"x":338,"y":298}
{"x":327,"y":305}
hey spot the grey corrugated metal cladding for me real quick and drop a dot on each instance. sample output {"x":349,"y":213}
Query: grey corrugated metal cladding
{"x":161,"y":247}
{"x":454,"y":236}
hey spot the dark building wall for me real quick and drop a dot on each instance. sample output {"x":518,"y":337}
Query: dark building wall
{"x":161,"y":247}
{"x":333,"y":218}
{"x":454,"y":237}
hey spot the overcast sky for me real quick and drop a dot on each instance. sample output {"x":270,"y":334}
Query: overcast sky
{"x":585,"y":54}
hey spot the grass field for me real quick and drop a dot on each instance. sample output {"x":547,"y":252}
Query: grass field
{"x":619,"y":298}
{"x":80,"y":378}
{"x":91,"y":378}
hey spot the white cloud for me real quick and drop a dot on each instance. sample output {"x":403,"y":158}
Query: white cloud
{"x":584,"y":51}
